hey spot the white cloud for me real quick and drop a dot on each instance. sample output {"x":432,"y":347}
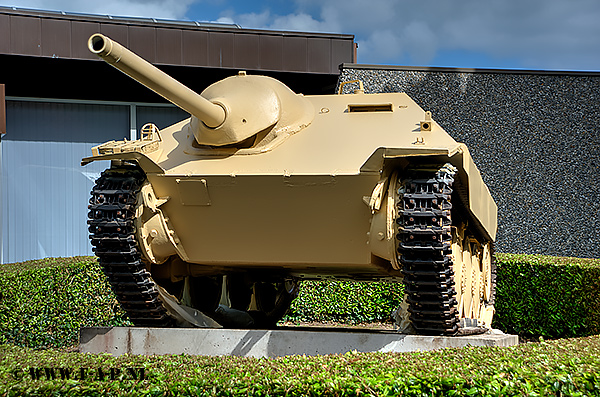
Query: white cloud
{"x":421,"y":42}
{"x":253,"y":20}
{"x":265,"y":20}
{"x":301,"y":22}
{"x":380,"y":46}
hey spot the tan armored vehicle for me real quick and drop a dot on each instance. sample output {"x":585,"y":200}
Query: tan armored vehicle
{"x":212,"y":221}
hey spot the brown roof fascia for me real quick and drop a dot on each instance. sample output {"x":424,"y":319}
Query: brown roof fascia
{"x":165,"y":23}
{"x":179,"y":43}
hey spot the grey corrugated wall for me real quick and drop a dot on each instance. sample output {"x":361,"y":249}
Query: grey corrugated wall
{"x":44,"y":189}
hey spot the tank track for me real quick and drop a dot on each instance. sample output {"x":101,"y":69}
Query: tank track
{"x":424,"y":242}
{"x":112,"y":234}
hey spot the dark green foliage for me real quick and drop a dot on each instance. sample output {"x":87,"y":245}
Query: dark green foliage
{"x":548,"y":296}
{"x":536,"y":296}
{"x":13,"y":268}
{"x":346,"y":302}
{"x":569,"y":367}
{"x":44,"y":303}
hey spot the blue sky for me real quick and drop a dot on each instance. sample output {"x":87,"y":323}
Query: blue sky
{"x":508,"y":34}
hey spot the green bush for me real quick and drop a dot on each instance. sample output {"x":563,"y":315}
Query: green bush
{"x":536,"y":296}
{"x":569,"y":367}
{"x":346,"y":302}
{"x":548,"y":296}
{"x":44,"y":303}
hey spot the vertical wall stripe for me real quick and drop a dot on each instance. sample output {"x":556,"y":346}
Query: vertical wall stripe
{"x":132,"y":123}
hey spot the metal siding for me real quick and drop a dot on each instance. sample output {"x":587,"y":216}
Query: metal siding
{"x":65,"y":122}
{"x":246,"y":51}
{"x":65,"y":35}
{"x":319,"y":53}
{"x":118,"y":33}
{"x":5,"y":34}
{"x":142,"y":41}
{"x":44,"y":190}
{"x":169,"y":45}
{"x":195,"y":48}
{"x":340,"y":51}
{"x":44,"y":199}
{"x":80,"y":32}
{"x":25,"y":44}
{"x":220,"y":51}
{"x":294,"y":54}
{"x":271,"y":52}
{"x":56,"y":38}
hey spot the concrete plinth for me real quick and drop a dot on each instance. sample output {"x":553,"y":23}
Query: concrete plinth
{"x":268,"y":343}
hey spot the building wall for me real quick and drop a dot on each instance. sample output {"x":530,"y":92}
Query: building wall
{"x":534,"y":136}
{"x":43,"y":188}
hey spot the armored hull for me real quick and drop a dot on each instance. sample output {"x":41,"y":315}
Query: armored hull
{"x":282,"y":187}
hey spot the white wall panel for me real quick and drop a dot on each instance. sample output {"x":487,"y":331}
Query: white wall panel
{"x":44,"y":190}
{"x":44,"y":199}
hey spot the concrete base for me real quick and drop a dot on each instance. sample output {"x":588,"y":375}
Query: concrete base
{"x":268,"y":343}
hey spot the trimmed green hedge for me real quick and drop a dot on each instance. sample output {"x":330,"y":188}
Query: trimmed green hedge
{"x":44,"y":303}
{"x":560,"y":368}
{"x":346,"y":302}
{"x":548,"y":296}
{"x":536,"y":296}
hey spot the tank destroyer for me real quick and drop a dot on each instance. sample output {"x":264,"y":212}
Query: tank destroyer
{"x":213,"y":221}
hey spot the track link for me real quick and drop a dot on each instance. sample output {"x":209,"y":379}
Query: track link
{"x":424,"y":239}
{"x":112,"y":234}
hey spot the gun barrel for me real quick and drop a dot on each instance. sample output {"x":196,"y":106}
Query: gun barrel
{"x":149,"y":75}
